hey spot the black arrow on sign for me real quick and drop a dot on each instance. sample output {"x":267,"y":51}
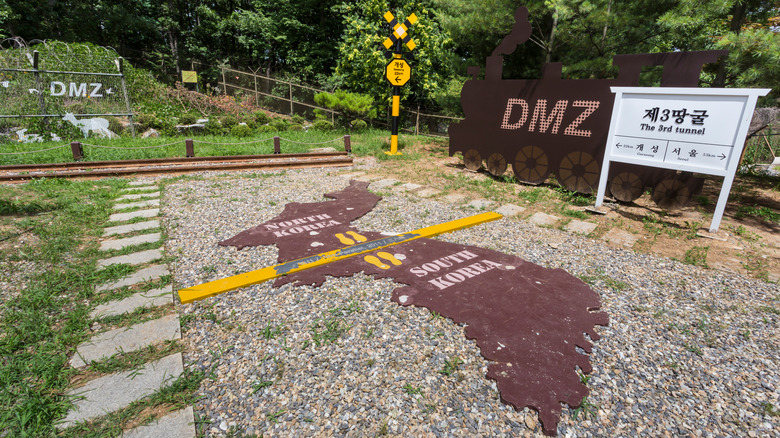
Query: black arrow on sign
{"x":722,"y":156}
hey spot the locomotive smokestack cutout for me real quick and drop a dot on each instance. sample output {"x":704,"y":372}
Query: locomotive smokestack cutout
{"x":521,"y":31}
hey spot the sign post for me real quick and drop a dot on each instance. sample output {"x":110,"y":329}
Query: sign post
{"x":699,"y":130}
{"x":398,"y":72}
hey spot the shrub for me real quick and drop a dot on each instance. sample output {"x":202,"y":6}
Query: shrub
{"x":266,"y":128}
{"x":188,"y":119}
{"x":213,"y":127}
{"x":323,"y":125}
{"x":359,"y":125}
{"x":147,"y":120}
{"x":295,"y":127}
{"x":228,"y":122}
{"x":241,"y":131}
{"x":115,"y":125}
{"x":261,"y":117}
{"x":296,"y":119}
{"x":279,"y":124}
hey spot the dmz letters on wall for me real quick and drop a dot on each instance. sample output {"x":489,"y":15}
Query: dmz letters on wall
{"x":70,"y":89}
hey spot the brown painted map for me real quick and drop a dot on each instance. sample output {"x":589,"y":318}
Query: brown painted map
{"x":526,"y":319}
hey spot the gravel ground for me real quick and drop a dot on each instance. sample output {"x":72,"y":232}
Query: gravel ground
{"x":688,"y":351}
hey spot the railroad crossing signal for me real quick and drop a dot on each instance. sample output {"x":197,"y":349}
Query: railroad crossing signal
{"x":400,"y":31}
{"x":398,"y":72}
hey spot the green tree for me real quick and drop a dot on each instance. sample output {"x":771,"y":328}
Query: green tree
{"x":362,"y":61}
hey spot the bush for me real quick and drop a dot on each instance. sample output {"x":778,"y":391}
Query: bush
{"x":359,"y":125}
{"x":228,"y":122}
{"x":213,"y":127}
{"x":323,"y":125}
{"x":188,"y":119}
{"x":147,"y":121}
{"x":265,"y":129}
{"x":296,"y":119}
{"x":261,"y":117}
{"x":279,"y":124}
{"x":241,"y":131}
{"x":115,"y":125}
{"x":295,"y":127}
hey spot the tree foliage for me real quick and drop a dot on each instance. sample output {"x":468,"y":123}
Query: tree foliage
{"x":338,"y":43}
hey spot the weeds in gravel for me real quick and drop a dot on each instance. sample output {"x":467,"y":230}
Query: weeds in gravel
{"x":601,"y":276}
{"x":270,"y":332}
{"x":586,"y":408}
{"x":409,"y":389}
{"x":328,"y":330}
{"x":273,"y":417}
{"x":451,"y":365}
{"x":257,"y":386}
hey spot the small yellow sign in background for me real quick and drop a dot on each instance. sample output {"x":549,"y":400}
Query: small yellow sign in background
{"x":189,"y":77}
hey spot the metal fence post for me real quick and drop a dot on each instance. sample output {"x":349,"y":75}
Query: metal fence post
{"x":120,"y":66}
{"x":347,"y":144}
{"x":189,"y":145}
{"x":277,"y":145}
{"x":78,"y":151}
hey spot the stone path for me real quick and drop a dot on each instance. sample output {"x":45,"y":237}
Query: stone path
{"x":116,"y":391}
{"x":615,"y":236}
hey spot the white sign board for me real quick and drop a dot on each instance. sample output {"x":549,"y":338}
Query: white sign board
{"x":698,"y":130}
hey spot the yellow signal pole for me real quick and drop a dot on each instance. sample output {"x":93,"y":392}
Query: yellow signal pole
{"x":398,"y":71}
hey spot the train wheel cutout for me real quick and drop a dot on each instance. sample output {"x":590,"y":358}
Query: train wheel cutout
{"x":472,"y":160}
{"x":579,"y":172}
{"x":626,"y":187}
{"x":531,"y":165}
{"x":671,"y":193}
{"x":496,"y":164}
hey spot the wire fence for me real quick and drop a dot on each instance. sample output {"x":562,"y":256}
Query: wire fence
{"x":290,"y":98}
{"x":77,"y":148}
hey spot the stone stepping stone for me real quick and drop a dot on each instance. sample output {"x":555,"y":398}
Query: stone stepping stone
{"x":580,"y":227}
{"x":138,"y":196}
{"x":510,"y":210}
{"x":139,"y":183}
{"x":141,"y":204}
{"x":127,"y":339}
{"x":454,"y":198}
{"x":480,"y":204}
{"x":130,"y":241}
{"x":124,"y":229}
{"x":620,"y":237}
{"x":136,"y":258}
{"x":140,"y":188}
{"x":121,"y":217}
{"x":150,"y":298}
{"x":543,"y":219}
{"x":178,"y":424}
{"x":382,"y":183}
{"x":146,"y":274}
{"x":116,"y":391}
{"x":427,"y":193}
{"x":408,"y":187}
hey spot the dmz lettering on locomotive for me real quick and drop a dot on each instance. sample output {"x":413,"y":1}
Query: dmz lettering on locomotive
{"x":554,"y":118}
{"x":457,"y":276}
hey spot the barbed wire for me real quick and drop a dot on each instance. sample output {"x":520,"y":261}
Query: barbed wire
{"x":32,"y":152}
{"x":131,"y":147}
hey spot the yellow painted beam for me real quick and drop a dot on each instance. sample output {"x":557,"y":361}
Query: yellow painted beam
{"x":216,"y":287}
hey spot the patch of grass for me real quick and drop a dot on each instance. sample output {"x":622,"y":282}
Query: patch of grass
{"x":696,"y":256}
{"x":271,"y":332}
{"x":601,"y":276}
{"x":762,"y":213}
{"x":273,"y":417}
{"x":409,"y":389}
{"x":328,"y":330}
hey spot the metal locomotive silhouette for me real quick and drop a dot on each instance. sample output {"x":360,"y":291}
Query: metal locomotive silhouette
{"x":560,"y":126}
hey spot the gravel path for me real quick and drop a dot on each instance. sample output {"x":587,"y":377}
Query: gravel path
{"x":688,"y":351}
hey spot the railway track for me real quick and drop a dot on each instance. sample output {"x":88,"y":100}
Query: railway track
{"x":172,"y":166}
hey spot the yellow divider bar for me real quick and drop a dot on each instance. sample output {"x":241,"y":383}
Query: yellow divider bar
{"x":215,"y":287}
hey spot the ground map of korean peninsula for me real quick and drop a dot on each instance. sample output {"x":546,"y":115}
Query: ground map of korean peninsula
{"x":535,"y":325}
